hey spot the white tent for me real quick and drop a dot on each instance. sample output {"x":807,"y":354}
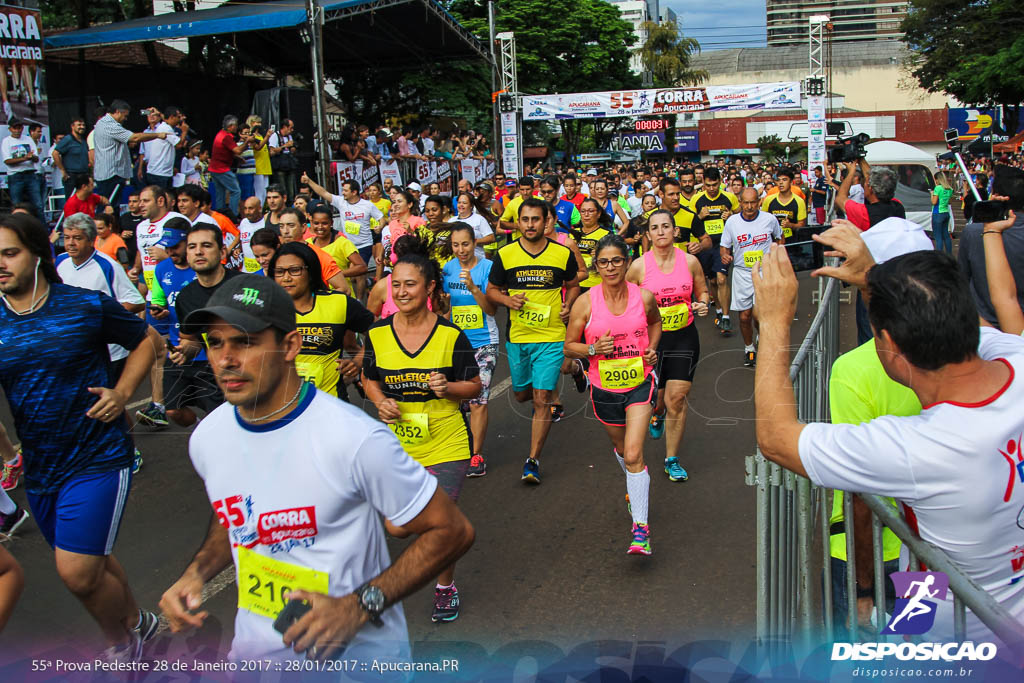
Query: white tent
{"x":892,"y":152}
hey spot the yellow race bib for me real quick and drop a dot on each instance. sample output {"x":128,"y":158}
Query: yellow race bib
{"x":787,"y":232}
{"x":621,"y":373}
{"x":412,"y":429}
{"x":714,"y":226}
{"x":149,"y":275}
{"x":534,"y":315}
{"x":752,"y":257}
{"x":310,"y":372}
{"x":351,"y":227}
{"x":250,"y":265}
{"x":468,"y":317}
{"x":674,"y":317}
{"x":263,"y":582}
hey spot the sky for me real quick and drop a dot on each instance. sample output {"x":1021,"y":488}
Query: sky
{"x":721,"y":24}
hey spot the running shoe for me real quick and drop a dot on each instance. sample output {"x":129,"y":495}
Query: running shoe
{"x":152,"y":416}
{"x":446,"y":604}
{"x":657,"y":426}
{"x":557,"y":412}
{"x":12,"y":474}
{"x":718,"y":318}
{"x":674,"y":470}
{"x":477,"y":466}
{"x":137,"y":462}
{"x":531,"y":471}
{"x":641,"y":544}
{"x":127,"y":652}
{"x":749,"y":358}
{"x":726,"y":327}
{"x":10,"y":523}
{"x":629,"y":506}
{"x":581,"y":379}
{"x":148,"y":624}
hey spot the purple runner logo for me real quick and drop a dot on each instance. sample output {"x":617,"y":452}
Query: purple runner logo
{"x":914,"y":613}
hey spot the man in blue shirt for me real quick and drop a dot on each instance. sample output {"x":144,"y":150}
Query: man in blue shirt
{"x":71,"y":156}
{"x":70,"y":417}
{"x":566,"y":213}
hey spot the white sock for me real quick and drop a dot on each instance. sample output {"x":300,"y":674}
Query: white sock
{"x":725,"y":315}
{"x":440,"y":587}
{"x":638,"y":486}
{"x":748,"y":347}
{"x":7,"y":506}
{"x":718,"y":310}
{"x":158,"y":405}
{"x":622,"y":461}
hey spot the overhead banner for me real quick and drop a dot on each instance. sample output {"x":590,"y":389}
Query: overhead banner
{"x":782,"y":95}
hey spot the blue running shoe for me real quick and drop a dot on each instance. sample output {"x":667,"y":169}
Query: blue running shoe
{"x":674,"y":470}
{"x":657,"y":427}
{"x":531,"y":471}
{"x":137,"y":462}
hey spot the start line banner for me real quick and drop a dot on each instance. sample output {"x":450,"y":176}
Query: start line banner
{"x":782,"y":95}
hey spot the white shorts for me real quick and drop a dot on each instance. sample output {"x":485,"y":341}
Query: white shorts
{"x":742,"y":289}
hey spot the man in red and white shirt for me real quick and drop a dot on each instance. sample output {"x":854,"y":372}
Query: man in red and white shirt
{"x":222,"y":158}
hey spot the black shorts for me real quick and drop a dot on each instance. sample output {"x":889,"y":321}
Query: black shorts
{"x":678,"y":353}
{"x":116,"y":368}
{"x":610,"y":407}
{"x":706,"y":263}
{"x":191,"y":385}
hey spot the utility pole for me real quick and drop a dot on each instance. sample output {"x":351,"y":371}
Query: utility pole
{"x":315,"y":24}
{"x":495,"y":125}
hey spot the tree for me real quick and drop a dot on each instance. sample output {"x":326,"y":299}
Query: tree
{"x":772,"y":147}
{"x":970,"y":50}
{"x":561,"y":47}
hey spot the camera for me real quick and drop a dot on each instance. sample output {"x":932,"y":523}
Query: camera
{"x":849,"y":149}
{"x":990,"y":211}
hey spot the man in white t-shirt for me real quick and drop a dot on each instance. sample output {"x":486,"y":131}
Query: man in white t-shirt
{"x":954,"y":467}
{"x":317,"y":518}
{"x":746,"y":238}
{"x":358,"y":216}
{"x":252,"y":212}
{"x":153,"y":201}
{"x":20,"y":155}
{"x":157,"y":156}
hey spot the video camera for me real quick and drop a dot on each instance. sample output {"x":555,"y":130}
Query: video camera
{"x":849,"y":149}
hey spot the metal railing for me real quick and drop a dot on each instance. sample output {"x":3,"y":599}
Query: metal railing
{"x":789,"y":605}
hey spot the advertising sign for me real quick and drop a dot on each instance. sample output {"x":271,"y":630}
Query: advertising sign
{"x":687,"y":140}
{"x":22,"y":79}
{"x":651,"y":141}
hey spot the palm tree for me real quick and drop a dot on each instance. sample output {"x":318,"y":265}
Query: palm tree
{"x":666,"y":55}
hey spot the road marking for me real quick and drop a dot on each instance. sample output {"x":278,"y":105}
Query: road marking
{"x":128,"y":407}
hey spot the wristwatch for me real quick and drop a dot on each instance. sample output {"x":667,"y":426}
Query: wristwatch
{"x":591,"y":351}
{"x":371,"y":599}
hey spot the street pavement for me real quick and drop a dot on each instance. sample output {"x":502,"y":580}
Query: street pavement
{"x":548,"y":574}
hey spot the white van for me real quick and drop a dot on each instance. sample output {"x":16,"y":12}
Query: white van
{"x":913,"y":170}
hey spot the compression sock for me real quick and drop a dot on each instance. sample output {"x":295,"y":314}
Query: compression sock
{"x":638,"y":485}
{"x":7,"y":506}
{"x":622,"y":461}
{"x":441,"y":588}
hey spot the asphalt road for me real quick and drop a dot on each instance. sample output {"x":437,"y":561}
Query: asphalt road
{"x":548,"y":576}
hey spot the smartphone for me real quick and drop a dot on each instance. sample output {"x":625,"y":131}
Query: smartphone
{"x":170,"y":346}
{"x":990,"y":211}
{"x":808,"y":255}
{"x":292,"y":612}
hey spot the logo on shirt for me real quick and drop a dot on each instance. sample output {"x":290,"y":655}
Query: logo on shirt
{"x":914,"y":612}
{"x":282,"y":525}
{"x":236,"y":515}
{"x":1013,"y":450}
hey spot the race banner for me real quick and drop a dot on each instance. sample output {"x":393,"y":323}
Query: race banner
{"x":472,"y":170}
{"x":371,"y":175}
{"x":426,"y":172}
{"x":389,"y":169}
{"x":444,"y":178}
{"x":490,"y":167}
{"x":348,"y":170}
{"x":21,"y":59}
{"x":781,"y":95}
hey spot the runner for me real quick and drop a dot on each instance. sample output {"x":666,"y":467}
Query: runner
{"x":417,"y":369}
{"x":437,"y":214}
{"x":252,"y":220}
{"x":610,"y":205}
{"x":713,"y":207}
{"x":77,"y":453}
{"x":687,"y":189}
{"x":264,"y":244}
{"x":375,"y":194}
{"x":789,"y":209}
{"x":746,"y":239}
{"x":277,"y":201}
{"x":567,"y":213}
{"x":326,"y":320}
{"x":571,"y":193}
{"x":620,"y":327}
{"x":509,"y":220}
{"x":465,"y":280}
{"x":594,"y":225}
{"x":690,"y":234}
{"x":381,"y":301}
{"x":403,"y":222}
{"x":468,"y":212}
{"x":110,"y":243}
{"x":358,"y":218}
{"x":335,"y":490}
{"x":336,"y":245}
{"x":293,"y":226}
{"x":676,"y":279}
{"x":528,"y":276}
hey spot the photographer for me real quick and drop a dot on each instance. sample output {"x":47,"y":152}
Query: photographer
{"x":879,"y":202}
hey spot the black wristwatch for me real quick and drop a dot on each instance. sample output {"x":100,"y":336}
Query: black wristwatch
{"x":371,"y":599}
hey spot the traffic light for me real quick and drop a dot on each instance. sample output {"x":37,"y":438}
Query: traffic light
{"x":506,"y":104}
{"x":815,"y":86}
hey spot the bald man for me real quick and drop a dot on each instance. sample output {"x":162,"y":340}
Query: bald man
{"x":746,"y":239}
{"x":253,"y":220}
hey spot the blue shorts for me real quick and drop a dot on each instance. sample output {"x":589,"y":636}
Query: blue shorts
{"x":716,"y":261}
{"x":537,"y":364}
{"x":163,"y":327}
{"x":85,"y":515}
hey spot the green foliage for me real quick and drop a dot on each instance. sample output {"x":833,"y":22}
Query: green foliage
{"x":666,"y":55}
{"x":970,"y":50}
{"x":772,"y":147}
{"x":83,"y":13}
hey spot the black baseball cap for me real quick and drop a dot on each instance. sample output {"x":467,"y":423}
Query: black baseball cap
{"x":252,"y":303}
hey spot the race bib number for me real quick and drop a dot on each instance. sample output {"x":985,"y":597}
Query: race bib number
{"x":534,"y":315}
{"x":468,"y":317}
{"x":263,"y":582}
{"x":352,"y":227}
{"x":412,"y":429}
{"x":621,"y":373}
{"x":752,"y":257}
{"x":674,"y":317}
{"x":714,"y":226}
{"x":251,"y":265}
{"x":310,"y":372}
{"x":787,"y":232}
{"x":149,"y":275}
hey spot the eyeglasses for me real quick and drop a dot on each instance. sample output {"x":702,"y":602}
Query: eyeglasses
{"x":293,"y":271}
{"x":588,"y":211}
{"x":614,"y":262}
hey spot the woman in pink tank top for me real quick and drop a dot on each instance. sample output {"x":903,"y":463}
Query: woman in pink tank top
{"x":571,"y":366}
{"x":381,"y":301}
{"x":676,"y":279}
{"x":620,"y":327}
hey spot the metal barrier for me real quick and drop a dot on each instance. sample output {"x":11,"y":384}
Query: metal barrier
{"x":789,"y":507}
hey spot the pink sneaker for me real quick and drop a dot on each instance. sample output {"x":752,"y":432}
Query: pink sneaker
{"x":11,"y":474}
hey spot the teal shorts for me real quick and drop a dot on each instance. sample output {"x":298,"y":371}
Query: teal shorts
{"x":537,"y":364}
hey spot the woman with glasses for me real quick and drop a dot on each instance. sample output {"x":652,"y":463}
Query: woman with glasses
{"x":620,"y":328}
{"x":594,"y":224}
{"x":327,"y":320}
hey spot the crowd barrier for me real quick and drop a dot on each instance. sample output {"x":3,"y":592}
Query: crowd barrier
{"x":446,"y":173}
{"x":793,"y":575}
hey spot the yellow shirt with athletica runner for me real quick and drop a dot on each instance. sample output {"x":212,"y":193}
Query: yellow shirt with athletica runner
{"x":540,"y":277}
{"x":323,"y":335}
{"x":431,"y":429}
{"x":587,"y":242}
{"x":795,"y":210}
{"x":713,"y":223}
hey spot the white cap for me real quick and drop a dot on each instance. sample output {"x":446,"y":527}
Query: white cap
{"x":894,"y":237}
{"x":415,"y":186}
{"x":592,"y":171}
